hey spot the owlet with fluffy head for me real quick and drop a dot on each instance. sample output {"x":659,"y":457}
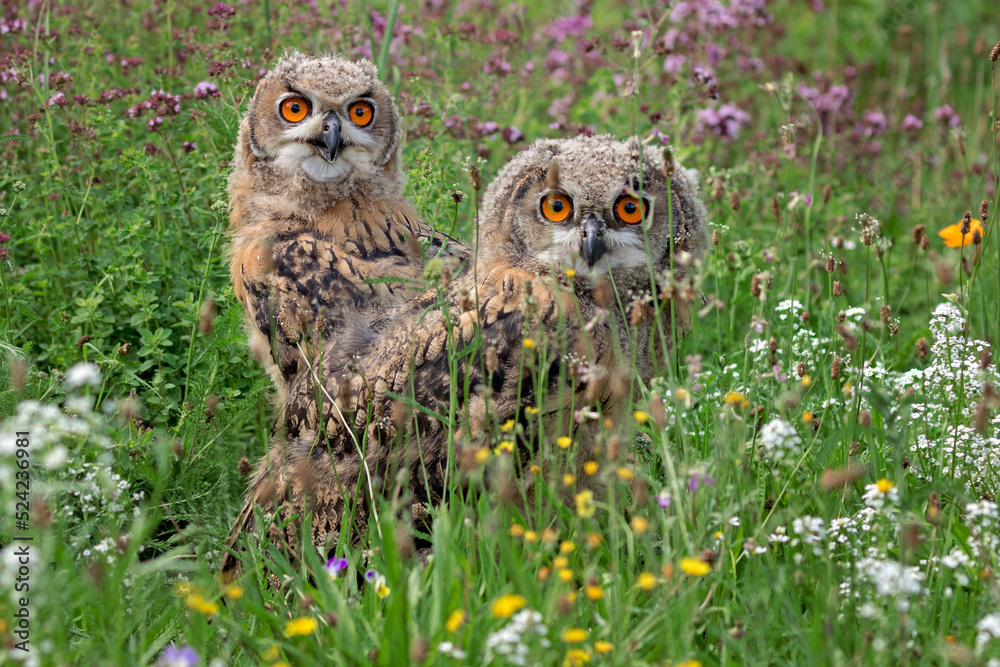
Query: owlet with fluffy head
{"x":317,"y":213}
{"x":583,"y":279}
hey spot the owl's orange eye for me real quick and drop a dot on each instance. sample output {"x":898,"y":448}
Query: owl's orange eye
{"x":556,"y":207}
{"x":630,"y":209}
{"x":362,"y":113}
{"x":294,"y":109}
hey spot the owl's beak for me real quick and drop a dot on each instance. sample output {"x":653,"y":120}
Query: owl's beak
{"x":592,"y":247}
{"x":328,"y":142}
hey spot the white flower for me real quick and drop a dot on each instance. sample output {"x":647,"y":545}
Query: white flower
{"x":55,"y":458}
{"x":779,"y":439}
{"x":83,"y":373}
{"x":989,"y":628}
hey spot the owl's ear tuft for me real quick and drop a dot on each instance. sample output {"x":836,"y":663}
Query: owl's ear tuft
{"x":552,"y":176}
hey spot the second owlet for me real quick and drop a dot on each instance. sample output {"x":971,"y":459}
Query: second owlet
{"x":317,"y":213}
{"x":582,"y":278}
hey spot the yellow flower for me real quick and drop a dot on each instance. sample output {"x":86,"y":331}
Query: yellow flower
{"x":279,"y":664}
{"x":530,"y":536}
{"x":689,"y":663}
{"x":482,"y":455}
{"x":544,"y":573}
{"x":531,"y":410}
{"x":381,"y":589}
{"x":569,"y":598}
{"x":591,"y":467}
{"x":298,"y":627}
{"x":603,"y":647}
{"x":806,"y":381}
{"x":624,"y":473}
{"x":568,"y":479}
{"x":549,"y":535}
{"x":734,"y":398}
{"x":640,"y":416}
{"x":595,"y":592}
{"x":952,"y":234}
{"x":184,"y":588}
{"x":847,"y":388}
{"x":234,"y":592}
{"x":594,"y":540}
{"x":529,"y":344}
{"x":718,"y":534}
{"x":884,"y":485}
{"x":564,"y":441}
{"x":201,"y":605}
{"x":536,"y":469}
{"x":507,"y":426}
{"x":570,"y":273}
{"x":505,"y":446}
{"x":566,"y":575}
{"x":574,"y":635}
{"x":576,"y":657}
{"x":646,"y":581}
{"x":506,"y":606}
{"x":585,"y":504}
{"x":516,"y":530}
{"x":270,"y":654}
{"x":639,"y":525}
{"x":455,"y":621}
{"x":695,"y":567}
{"x":560,"y":561}
{"x":567,"y":547}
{"x":807,"y":417}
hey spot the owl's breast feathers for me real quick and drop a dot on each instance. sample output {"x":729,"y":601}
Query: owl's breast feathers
{"x":297,"y":277}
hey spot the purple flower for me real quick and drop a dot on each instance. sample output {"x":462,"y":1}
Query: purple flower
{"x":663,"y":499}
{"x":335,"y":566}
{"x":569,"y":26}
{"x":189,"y":146}
{"x":838,"y":101}
{"x":911,"y":123}
{"x":660,"y":136}
{"x":512,"y":135}
{"x":58,"y":100}
{"x":3,"y":238}
{"x":724,"y":121}
{"x":699,"y":479}
{"x":222,"y":10}
{"x":489,"y":127}
{"x":154,"y":124}
{"x":205,"y":89}
{"x":946,"y":116}
{"x":371,"y":576}
{"x":673,"y":63}
{"x":873,"y":123}
{"x":178,"y":657}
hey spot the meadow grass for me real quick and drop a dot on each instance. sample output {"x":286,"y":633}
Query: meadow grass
{"x":812,"y":480}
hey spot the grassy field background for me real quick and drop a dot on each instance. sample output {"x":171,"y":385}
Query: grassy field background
{"x":813,"y":482}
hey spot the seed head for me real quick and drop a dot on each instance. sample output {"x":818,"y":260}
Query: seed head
{"x":776,"y":209}
{"x":835,"y":367}
{"x":838,"y":289}
{"x":982,"y":419}
{"x":977,"y":237}
{"x":921,"y":348}
{"x":831,"y":264}
{"x":995,"y":53}
{"x":985,"y":356}
{"x":966,"y":223}
{"x":984,"y":210}
{"x":925,"y":243}
{"x":715,"y":237}
{"x":850,"y":341}
{"x":886,"y":312}
{"x":668,"y":162}
{"x":918,"y":233}
{"x":800,"y":368}
{"x":865,"y":418}
{"x":475,"y":178}
{"x":734,"y":200}
{"x":827,"y":191}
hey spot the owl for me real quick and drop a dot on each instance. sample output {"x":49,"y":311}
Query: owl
{"x":318,"y":219}
{"x":584,"y":274}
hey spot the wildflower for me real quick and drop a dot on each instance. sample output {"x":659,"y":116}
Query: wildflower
{"x":549,"y":535}
{"x":585,"y":504}
{"x":481,"y":455}
{"x":511,"y":134}
{"x":567,"y":547}
{"x":335,"y":566}
{"x":568,"y":479}
{"x":371,"y":576}
{"x":574,"y":635}
{"x":528,"y":343}
{"x":570,"y":273}
{"x":178,"y":657}
{"x":83,"y":373}
{"x":734,"y":398}
{"x":506,"y":605}
{"x":531,"y":410}
{"x":698,"y":479}
{"x":449,"y":649}
{"x":639,"y":525}
{"x":695,"y":567}
{"x":566,"y":575}
{"x":689,"y":663}
{"x":298,"y":627}
{"x":576,"y":657}
{"x":911,"y":123}
{"x":806,"y":381}
{"x":455,"y":620}
{"x":640,"y":416}
{"x":603,"y":647}
{"x":646,"y":581}
{"x":594,"y":592}
{"x":530,"y":536}
{"x":663,"y":498}
{"x":504,"y":446}
{"x":199,"y":604}
{"x":270,"y":654}
{"x":953,"y":236}
{"x":560,"y":562}
{"x":624,"y":473}
{"x":516,"y":530}
{"x":594,"y":540}
{"x":779,"y":438}
{"x":884,"y":485}
{"x":946,"y":116}
{"x":807,"y":417}
{"x":564,"y":442}
{"x":234,"y":592}
{"x":590,"y":467}
{"x":507,"y":426}
{"x":724,"y":121}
